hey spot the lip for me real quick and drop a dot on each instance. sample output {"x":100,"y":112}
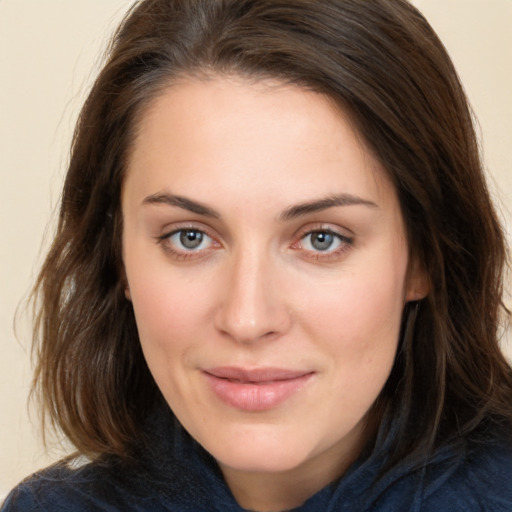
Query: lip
{"x":255,"y":390}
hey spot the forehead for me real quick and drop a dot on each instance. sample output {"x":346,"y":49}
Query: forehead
{"x":239,"y":133}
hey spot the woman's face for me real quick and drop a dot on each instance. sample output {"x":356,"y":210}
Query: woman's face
{"x":266,"y":261}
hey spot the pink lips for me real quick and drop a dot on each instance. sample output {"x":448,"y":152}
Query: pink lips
{"x":255,"y":390}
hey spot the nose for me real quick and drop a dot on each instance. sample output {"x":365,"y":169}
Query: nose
{"x":253,"y":304}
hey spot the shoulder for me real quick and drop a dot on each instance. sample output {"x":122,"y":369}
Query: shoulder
{"x":479,"y":479}
{"x":461,"y":477}
{"x":63,"y":487}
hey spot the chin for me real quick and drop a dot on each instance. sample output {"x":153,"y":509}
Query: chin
{"x":262,"y":459}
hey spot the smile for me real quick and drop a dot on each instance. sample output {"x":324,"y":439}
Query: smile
{"x":255,"y":390}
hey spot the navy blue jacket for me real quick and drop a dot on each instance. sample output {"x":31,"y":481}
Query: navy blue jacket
{"x":176,"y":474}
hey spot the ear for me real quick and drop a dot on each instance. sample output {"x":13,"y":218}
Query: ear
{"x":418,"y":282}
{"x":123,"y":282}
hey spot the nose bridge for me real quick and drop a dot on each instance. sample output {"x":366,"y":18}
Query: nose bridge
{"x":252,"y":306}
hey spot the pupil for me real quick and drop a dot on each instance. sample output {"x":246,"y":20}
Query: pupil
{"x":322,"y":241}
{"x":191,"y":239}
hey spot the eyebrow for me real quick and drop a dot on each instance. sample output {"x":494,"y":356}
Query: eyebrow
{"x":302,"y":209}
{"x":181,"y":202}
{"x":292,"y":212}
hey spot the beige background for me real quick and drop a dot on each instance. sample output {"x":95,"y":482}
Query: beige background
{"x":49,"y":50}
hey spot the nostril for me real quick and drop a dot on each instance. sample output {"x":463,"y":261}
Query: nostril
{"x":251,"y":307}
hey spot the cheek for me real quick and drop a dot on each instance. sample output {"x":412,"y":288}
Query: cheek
{"x":357,"y":307}
{"x":168,"y":312}
{"x":358,"y":318}
{"x":361,"y":328}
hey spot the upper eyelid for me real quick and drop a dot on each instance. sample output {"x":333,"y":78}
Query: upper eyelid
{"x":179,"y":230}
{"x":325,"y":230}
{"x":182,"y":253}
{"x":345,"y":245}
{"x":165,"y":239}
{"x":343,"y":238}
{"x":342,"y":232}
{"x":192,"y":226}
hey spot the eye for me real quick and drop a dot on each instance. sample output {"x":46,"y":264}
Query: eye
{"x":321,"y":241}
{"x":188,"y":243}
{"x":323,"y":244}
{"x":189,"y":240}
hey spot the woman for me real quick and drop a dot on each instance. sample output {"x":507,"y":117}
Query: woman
{"x":276,"y":282}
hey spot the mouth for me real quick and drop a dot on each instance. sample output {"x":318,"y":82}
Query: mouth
{"x":255,"y":390}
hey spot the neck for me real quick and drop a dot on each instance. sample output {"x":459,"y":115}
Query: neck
{"x":277,"y":491}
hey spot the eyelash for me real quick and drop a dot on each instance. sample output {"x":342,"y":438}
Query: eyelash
{"x":183,"y":254}
{"x":344,"y":244}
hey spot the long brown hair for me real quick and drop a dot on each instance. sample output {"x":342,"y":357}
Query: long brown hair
{"x":382,"y":62}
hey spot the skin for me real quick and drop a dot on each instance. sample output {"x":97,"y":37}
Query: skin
{"x":258,"y":292}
